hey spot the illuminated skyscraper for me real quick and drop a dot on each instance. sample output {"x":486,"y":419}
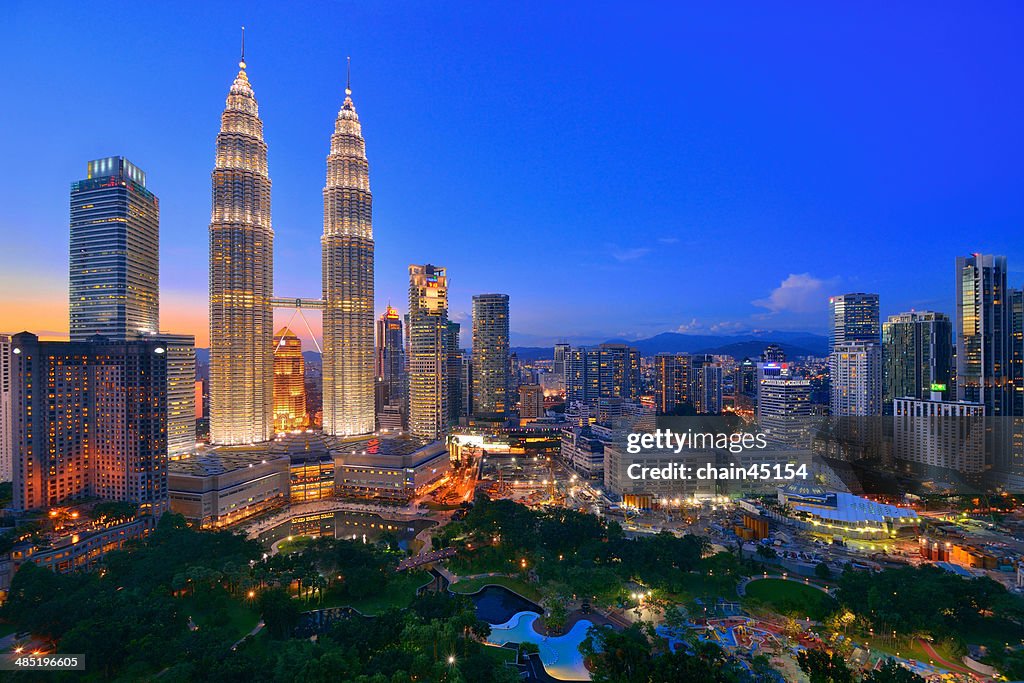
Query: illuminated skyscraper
{"x":490,"y":355}
{"x":984,"y":333}
{"x":114,"y":263}
{"x":671,"y":381}
{"x":428,"y":326}
{"x":241,"y":276}
{"x":6,"y":411}
{"x":855,"y":371}
{"x":917,"y":351}
{"x":347,"y":247}
{"x":389,"y":364}
{"x":854,"y":319}
{"x":289,"y":382}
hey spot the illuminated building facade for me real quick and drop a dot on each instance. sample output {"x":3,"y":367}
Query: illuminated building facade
{"x":289,"y":382}
{"x":983,"y":355}
{"x":181,"y":393}
{"x":90,"y":421}
{"x":114,"y":262}
{"x":241,"y":276}
{"x":490,"y":355}
{"x":390,"y":368}
{"x":428,"y":326}
{"x":347,"y":249}
{"x":6,"y":411}
{"x":671,"y":381}
{"x":854,"y":318}
{"x":855,"y":371}
{"x":603,"y":372}
{"x":454,"y":357}
{"x":531,"y":402}
{"x":917,"y":350}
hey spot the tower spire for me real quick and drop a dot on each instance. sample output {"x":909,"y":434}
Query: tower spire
{"x":241,"y":63}
{"x":348,"y":76}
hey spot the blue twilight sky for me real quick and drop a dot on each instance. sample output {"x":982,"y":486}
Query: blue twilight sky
{"x":618,"y":169}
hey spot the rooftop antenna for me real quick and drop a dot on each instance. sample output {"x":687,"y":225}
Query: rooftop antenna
{"x":241,"y":63}
{"x":348,"y":77}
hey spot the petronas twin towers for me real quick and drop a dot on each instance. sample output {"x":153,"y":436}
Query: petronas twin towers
{"x":242,"y":278}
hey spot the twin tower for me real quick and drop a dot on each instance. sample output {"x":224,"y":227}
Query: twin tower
{"x":242,"y":278}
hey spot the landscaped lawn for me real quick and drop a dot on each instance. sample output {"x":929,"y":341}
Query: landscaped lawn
{"x":790,"y":597}
{"x":527,"y":590}
{"x":296,"y":543}
{"x":238,"y":616}
{"x":400,"y":591}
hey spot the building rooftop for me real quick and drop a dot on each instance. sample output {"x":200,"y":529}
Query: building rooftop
{"x":219,"y":461}
{"x":850,"y":508}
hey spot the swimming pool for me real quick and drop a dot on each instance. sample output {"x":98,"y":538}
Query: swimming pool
{"x":560,"y":654}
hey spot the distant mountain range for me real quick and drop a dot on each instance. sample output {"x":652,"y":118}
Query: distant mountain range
{"x":746,"y":345}
{"x":739,"y":346}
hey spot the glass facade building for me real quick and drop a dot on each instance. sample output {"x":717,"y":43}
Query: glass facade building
{"x":114,"y":265}
{"x":490,"y":355}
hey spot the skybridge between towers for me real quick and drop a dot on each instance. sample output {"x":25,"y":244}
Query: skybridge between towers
{"x":298,"y":304}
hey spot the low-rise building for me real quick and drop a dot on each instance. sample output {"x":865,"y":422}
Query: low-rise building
{"x":390,"y":469}
{"x":225,"y":485}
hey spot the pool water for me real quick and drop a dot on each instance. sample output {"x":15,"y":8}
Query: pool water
{"x":560,"y":654}
{"x":497,"y":604}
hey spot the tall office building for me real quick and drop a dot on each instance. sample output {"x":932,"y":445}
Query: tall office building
{"x":6,"y":414}
{"x":289,"y":382}
{"x":389,"y":364}
{"x":1016,"y":299}
{"x":428,"y":325}
{"x":983,"y":351}
{"x":706,"y":385}
{"x":180,"y":350}
{"x":453,"y":372}
{"x":491,"y":367}
{"x":608,"y":371}
{"x":347,"y":247}
{"x":671,"y":381}
{"x":917,"y":351}
{"x":854,"y":318}
{"x":90,"y":421}
{"x":773,"y":353}
{"x":241,"y":276}
{"x":855,"y":372}
{"x":114,"y":256}
{"x":561,"y":358}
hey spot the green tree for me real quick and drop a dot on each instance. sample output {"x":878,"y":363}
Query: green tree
{"x":824,"y":667}
{"x":891,"y":672}
{"x":280,"y":612}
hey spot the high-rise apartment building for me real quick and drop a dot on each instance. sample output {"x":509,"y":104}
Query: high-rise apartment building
{"x":114,"y":253}
{"x":491,"y":369}
{"x":389,"y":366}
{"x":854,"y":318}
{"x":855,"y":372}
{"x":784,"y":410}
{"x":531,"y":402}
{"x":671,"y":381}
{"x":6,"y":411}
{"x":603,"y":372}
{"x":289,"y":382}
{"x":705,"y":385}
{"x":90,"y":421}
{"x":241,"y":276}
{"x":347,"y":247}
{"x":428,"y":325}
{"x":917,"y":350}
{"x":983,"y":322}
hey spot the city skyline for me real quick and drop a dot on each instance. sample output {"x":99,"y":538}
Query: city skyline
{"x":959,"y":189}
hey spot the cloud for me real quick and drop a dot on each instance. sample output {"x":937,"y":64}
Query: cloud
{"x":720,"y":327}
{"x":627,"y":253}
{"x":798,"y":293}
